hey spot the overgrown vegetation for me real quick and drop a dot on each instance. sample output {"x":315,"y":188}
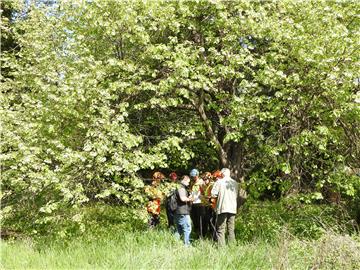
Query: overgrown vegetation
{"x":158,"y":249}
{"x":269,"y":236}
{"x":96,"y":92}
{"x":267,"y":220}
{"x":256,"y":221}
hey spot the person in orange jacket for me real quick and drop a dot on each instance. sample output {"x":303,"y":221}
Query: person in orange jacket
{"x":208,"y":183}
{"x":215,"y":177}
{"x":155,"y":197}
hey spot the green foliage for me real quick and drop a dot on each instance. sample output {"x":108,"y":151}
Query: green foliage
{"x":65,"y":136}
{"x":267,"y":220}
{"x":295,"y":110}
{"x":107,"y":220}
{"x":97,"y":91}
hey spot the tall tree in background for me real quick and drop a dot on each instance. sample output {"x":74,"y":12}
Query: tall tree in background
{"x":100,"y":90}
{"x":272,"y":86}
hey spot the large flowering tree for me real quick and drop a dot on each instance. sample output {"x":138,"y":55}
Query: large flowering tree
{"x":96,"y":91}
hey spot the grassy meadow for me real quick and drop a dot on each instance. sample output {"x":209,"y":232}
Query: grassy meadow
{"x":157,"y":249}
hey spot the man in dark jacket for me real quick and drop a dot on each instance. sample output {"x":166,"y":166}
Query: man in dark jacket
{"x":182,"y":212}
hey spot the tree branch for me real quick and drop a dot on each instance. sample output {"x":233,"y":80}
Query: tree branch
{"x":200,"y":108}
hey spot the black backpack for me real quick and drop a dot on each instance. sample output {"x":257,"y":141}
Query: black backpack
{"x":172,"y":200}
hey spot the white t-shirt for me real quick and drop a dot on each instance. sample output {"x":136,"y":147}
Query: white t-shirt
{"x":196,"y":193}
{"x":226,"y":190}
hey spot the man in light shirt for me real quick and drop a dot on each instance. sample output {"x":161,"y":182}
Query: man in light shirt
{"x":226,"y":191}
{"x":198,"y":208}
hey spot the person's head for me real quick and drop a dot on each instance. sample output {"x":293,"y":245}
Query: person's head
{"x":207,"y":177}
{"x":225,"y":172}
{"x":173,"y":176}
{"x":218,"y":175}
{"x":185,"y":180}
{"x":157,"y":177}
{"x":194,"y":173}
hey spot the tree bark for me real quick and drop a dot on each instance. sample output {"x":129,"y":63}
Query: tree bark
{"x":235,"y":160}
{"x":210,"y":132}
{"x":230,"y":154}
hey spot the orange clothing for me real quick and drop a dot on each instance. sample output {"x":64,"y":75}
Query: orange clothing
{"x":153,"y":206}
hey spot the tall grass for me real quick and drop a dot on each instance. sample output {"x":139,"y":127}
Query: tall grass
{"x":157,"y":249}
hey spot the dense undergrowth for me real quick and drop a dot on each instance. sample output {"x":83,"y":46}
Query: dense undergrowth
{"x":255,"y":220}
{"x":266,"y":220}
{"x":158,"y":249}
{"x":270,"y":235}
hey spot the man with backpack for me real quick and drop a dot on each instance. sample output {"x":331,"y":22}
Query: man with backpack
{"x":171,"y":199}
{"x":182,"y":212}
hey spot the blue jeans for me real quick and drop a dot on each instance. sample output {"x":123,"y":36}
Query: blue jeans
{"x":183,"y":225}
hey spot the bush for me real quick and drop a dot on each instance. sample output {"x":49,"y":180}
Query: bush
{"x":92,"y":222}
{"x":103,"y":217}
{"x":336,"y":252}
{"x":266,"y":219}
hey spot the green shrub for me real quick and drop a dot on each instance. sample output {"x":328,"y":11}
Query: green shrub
{"x":95,"y":222}
{"x":333,"y":251}
{"x":266,"y":219}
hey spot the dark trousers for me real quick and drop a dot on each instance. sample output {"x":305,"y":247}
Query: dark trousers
{"x":210,"y":222}
{"x":154,"y":220}
{"x":170,"y":216}
{"x":225,"y":222}
{"x":198,"y":219}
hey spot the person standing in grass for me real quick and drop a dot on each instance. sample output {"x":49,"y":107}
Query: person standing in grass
{"x":212,"y":201}
{"x":182,"y":212}
{"x":198,"y":208}
{"x":206,"y":201}
{"x":155,"y":197}
{"x":170,"y":187}
{"x":225,"y":191}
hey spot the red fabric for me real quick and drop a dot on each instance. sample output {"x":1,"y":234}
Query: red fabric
{"x":213,"y":203}
{"x":153,"y":206}
{"x":173,"y":176}
{"x":218,"y":174}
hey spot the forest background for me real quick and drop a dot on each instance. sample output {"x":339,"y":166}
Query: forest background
{"x":97,"y":95}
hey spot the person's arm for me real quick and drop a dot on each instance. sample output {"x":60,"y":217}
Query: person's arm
{"x":242,"y":196}
{"x":183,"y":197}
{"x":215,"y":190}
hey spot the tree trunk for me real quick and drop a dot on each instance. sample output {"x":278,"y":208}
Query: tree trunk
{"x":235,"y":160}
